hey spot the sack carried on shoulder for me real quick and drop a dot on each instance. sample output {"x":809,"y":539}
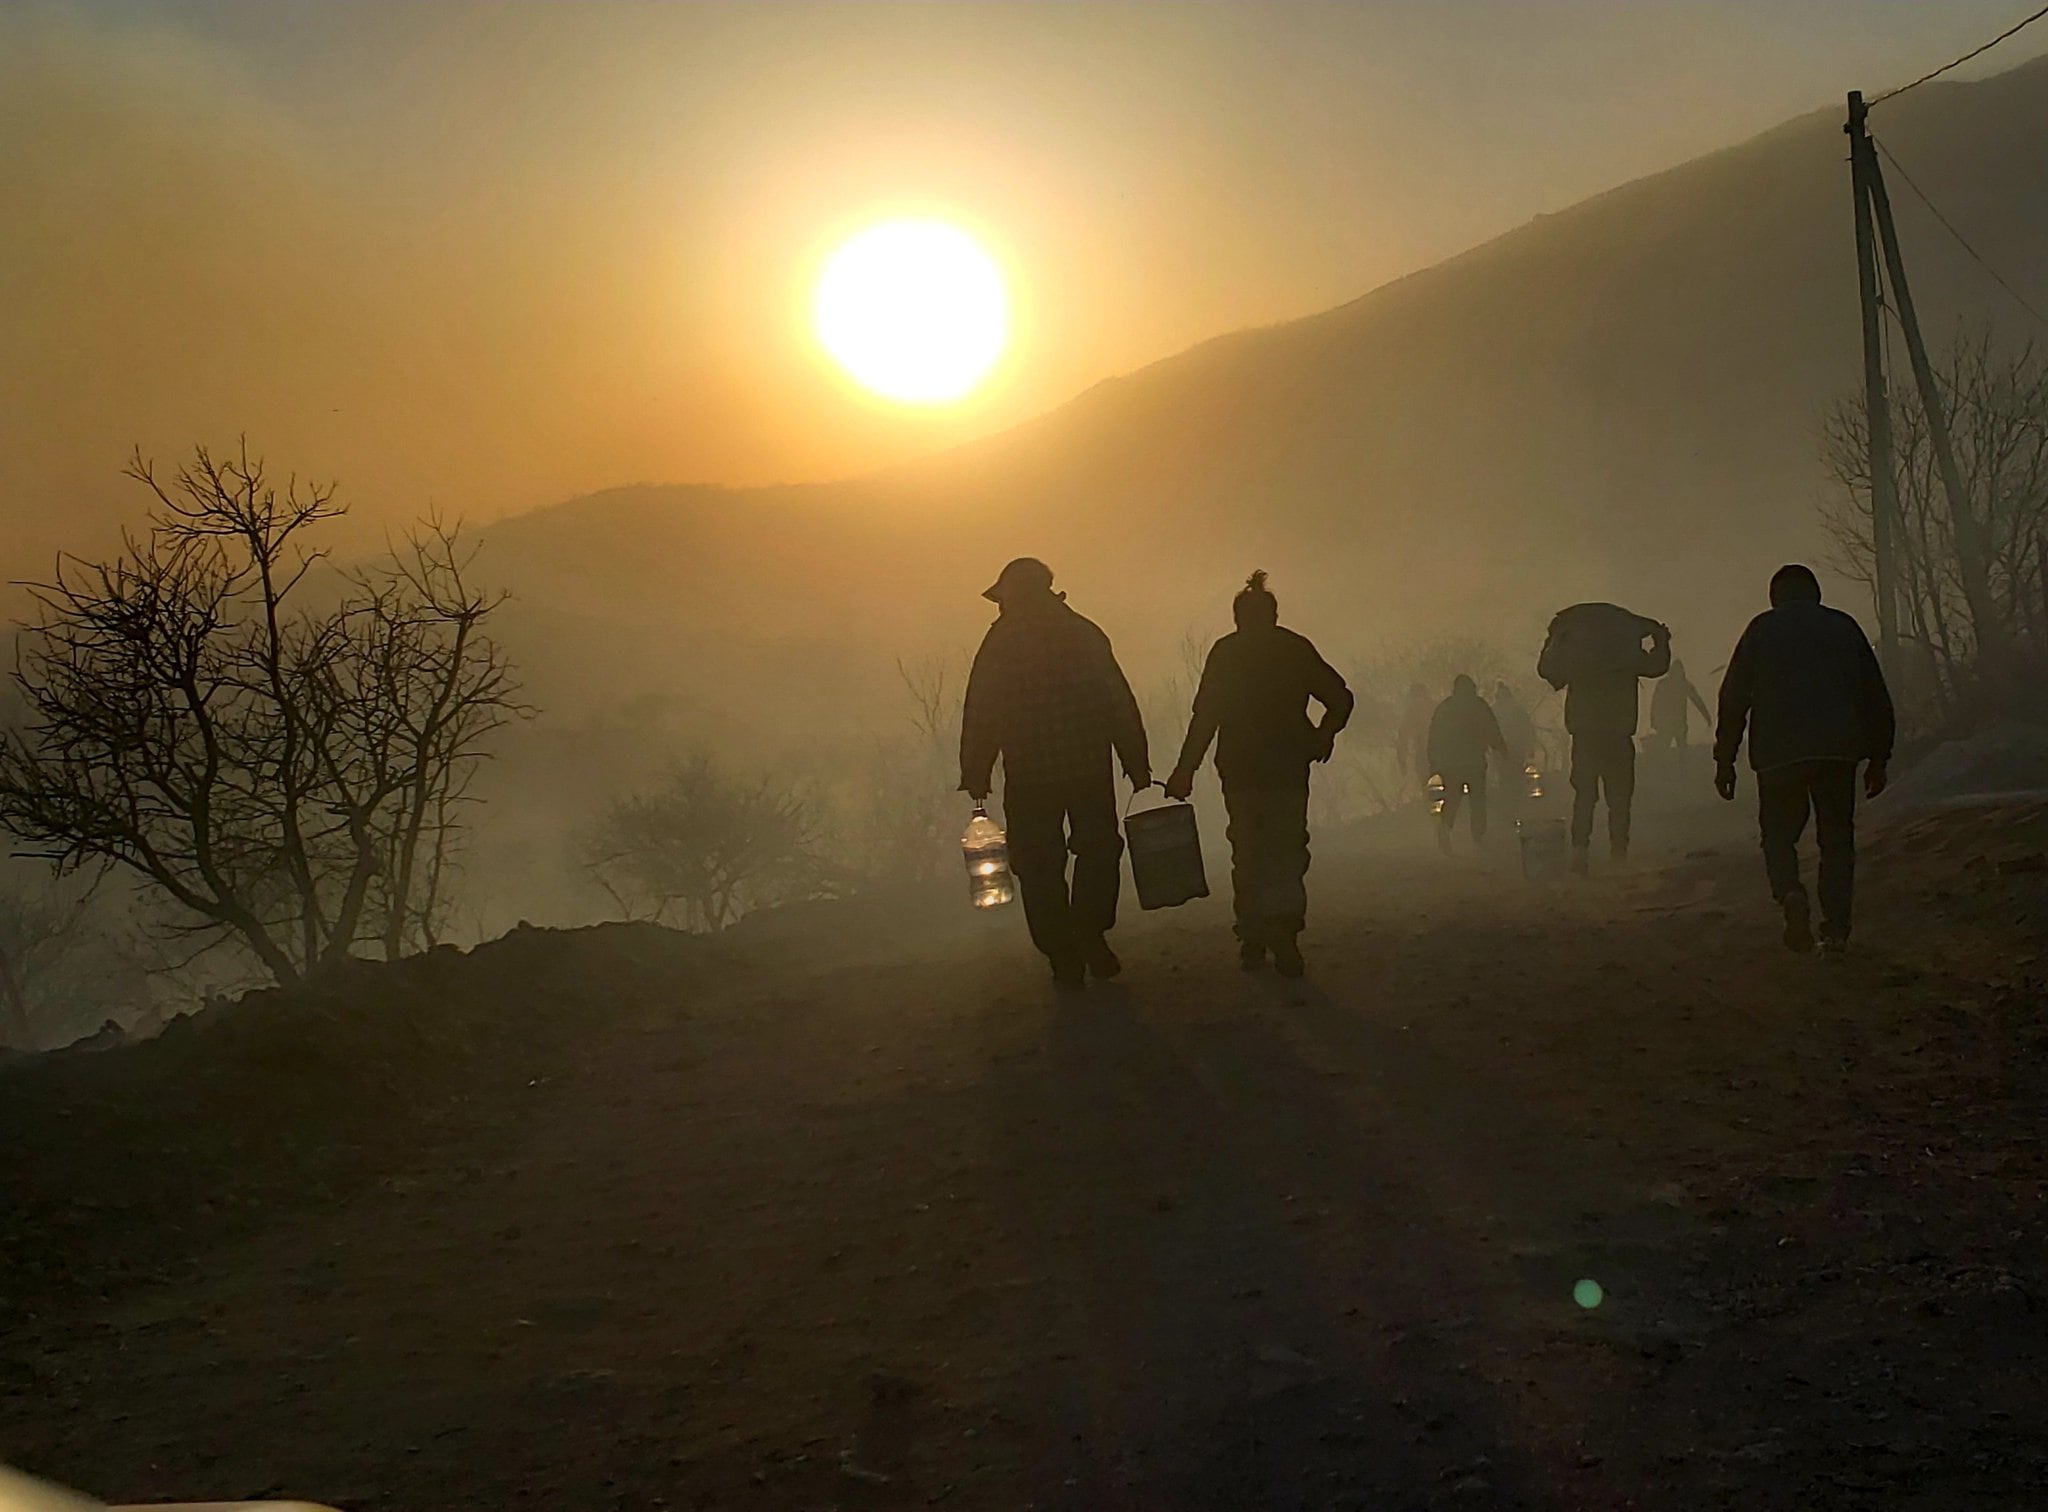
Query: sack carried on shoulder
{"x":1588,"y":639}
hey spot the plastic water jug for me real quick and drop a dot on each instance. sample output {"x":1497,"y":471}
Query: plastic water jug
{"x":1546,"y":848}
{"x":1166,"y":855}
{"x":987,"y":851}
{"x":1437,"y":794}
{"x":1532,"y":781}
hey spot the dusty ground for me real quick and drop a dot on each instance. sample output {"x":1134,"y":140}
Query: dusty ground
{"x":831,"y":1222}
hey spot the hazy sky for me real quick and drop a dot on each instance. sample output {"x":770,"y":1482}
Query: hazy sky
{"x":491,"y":255}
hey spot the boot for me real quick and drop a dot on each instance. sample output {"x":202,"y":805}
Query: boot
{"x":1251,"y":955}
{"x":1102,"y":962}
{"x":1287,"y":958}
{"x":1582,"y":861}
{"x":1798,"y":920}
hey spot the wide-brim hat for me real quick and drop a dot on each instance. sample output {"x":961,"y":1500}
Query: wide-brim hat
{"x":1024,"y":575}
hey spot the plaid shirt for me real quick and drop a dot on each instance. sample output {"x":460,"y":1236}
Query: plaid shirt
{"x":1047,"y":696}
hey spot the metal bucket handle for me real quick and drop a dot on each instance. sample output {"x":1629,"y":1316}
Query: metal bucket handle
{"x":1155,"y":808}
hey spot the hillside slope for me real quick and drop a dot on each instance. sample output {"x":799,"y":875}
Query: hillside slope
{"x":1618,"y":400}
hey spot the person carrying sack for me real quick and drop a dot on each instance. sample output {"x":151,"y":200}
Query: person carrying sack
{"x":1253,"y":703}
{"x":1595,"y":653}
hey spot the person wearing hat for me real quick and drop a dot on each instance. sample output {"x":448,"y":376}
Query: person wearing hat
{"x":1047,"y":697}
{"x":1253,"y":703}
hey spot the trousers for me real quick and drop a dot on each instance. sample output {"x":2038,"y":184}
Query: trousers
{"x":1268,"y":856}
{"x":1603,"y":765}
{"x":1468,"y":791}
{"x":1786,"y":797}
{"x":1047,"y":823}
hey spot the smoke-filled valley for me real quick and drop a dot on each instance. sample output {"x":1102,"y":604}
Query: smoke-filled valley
{"x":543,"y":540}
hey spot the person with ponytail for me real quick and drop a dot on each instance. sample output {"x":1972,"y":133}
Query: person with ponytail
{"x":1253,"y":704}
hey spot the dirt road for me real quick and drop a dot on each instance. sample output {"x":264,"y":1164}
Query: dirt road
{"x":841,"y":1226}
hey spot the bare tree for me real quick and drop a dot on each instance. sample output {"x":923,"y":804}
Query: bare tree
{"x":39,"y":927}
{"x":276,"y":770}
{"x":934,"y":702}
{"x":703,"y":848}
{"x":1999,"y":423}
{"x":894,"y":811}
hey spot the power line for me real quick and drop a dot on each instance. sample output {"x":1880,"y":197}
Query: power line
{"x":1961,"y":241}
{"x":1976,"y":52}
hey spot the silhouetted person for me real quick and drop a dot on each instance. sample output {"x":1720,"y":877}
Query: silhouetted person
{"x":1596,"y":653}
{"x":1253,"y":702}
{"x":1411,"y":745}
{"x":1516,"y":727}
{"x":1672,"y":701}
{"x":1519,"y":730}
{"x":1047,"y":696}
{"x":1808,"y":688}
{"x":1461,"y":732}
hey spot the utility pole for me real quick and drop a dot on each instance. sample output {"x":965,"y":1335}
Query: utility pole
{"x":1884,"y":493}
{"x":1973,"y":557}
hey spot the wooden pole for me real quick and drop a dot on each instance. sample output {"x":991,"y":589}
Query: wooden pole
{"x":1973,"y":559}
{"x":1884,"y":496}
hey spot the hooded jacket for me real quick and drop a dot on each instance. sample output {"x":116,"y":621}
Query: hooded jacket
{"x":1806,"y":686}
{"x":1461,"y":732}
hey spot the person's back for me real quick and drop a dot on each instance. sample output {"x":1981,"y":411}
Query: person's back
{"x":1672,"y":698}
{"x":1046,"y":695}
{"x":1606,"y":702}
{"x":1595,"y":653}
{"x":1257,"y":685}
{"x":1253,"y":703}
{"x":1515,"y":724}
{"x":1667,"y":701}
{"x":1412,"y":742}
{"x":1806,"y":689}
{"x":1462,"y":731}
{"x":1811,"y":687}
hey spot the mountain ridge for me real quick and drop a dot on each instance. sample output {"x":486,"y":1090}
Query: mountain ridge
{"x":1619,"y":399}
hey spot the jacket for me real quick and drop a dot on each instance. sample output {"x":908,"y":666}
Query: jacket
{"x":1603,"y":702}
{"x":1047,"y":696}
{"x":1669,"y":700}
{"x":1253,"y":702}
{"x":1461,"y":732}
{"x":1806,"y":686}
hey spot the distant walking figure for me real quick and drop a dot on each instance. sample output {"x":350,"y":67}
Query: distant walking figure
{"x":1411,"y":743}
{"x":1672,"y":701}
{"x":1808,"y":688}
{"x":1461,"y":732}
{"x":1047,"y":696}
{"x":1518,"y":728}
{"x":1253,"y":702}
{"x":1596,"y":653}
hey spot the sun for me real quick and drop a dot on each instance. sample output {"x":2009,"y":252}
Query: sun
{"x":914,"y":310}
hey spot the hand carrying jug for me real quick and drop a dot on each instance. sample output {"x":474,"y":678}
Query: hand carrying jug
{"x":987,"y":852}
